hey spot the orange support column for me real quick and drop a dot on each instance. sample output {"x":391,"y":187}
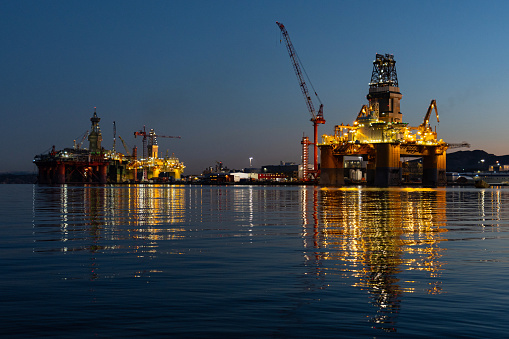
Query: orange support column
{"x":388,"y":166}
{"x":442,"y":168}
{"x":371,"y":170}
{"x":433,"y":168}
{"x":44,"y":175}
{"x":60,"y":174}
{"x":103,"y":170}
{"x":331,"y":167}
{"x":429,"y":168}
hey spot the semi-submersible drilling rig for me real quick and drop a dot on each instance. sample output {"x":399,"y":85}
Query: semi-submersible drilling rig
{"x":98,"y":165}
{"x":381,"y":138}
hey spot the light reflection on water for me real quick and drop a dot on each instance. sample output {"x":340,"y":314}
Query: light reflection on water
{"x":376,"y":235}
{"x":387,"y":244}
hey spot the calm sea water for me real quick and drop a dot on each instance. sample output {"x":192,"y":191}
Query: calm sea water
{"x":241,"y":261}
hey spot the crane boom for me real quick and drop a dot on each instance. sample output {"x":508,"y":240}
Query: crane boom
{"x":151,"y":134}
{"x":78,"y":145}
{"x":125,"y":146}
{"x":432,"y":105}
{"x":298,"y":72}
{"x":459,"y":145}
{"x":315,"y":118}
{"x":165,"y":136}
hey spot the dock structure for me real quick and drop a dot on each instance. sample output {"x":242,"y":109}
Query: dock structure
{"x":380,"y":137}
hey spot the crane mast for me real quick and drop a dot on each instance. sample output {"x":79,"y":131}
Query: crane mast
{"x":152,"y":138}
{"x":315,"y":118}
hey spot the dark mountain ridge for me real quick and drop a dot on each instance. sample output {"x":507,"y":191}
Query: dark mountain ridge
{"x":470,"y":161}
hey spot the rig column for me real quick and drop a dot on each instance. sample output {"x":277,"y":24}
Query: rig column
{"x":60,"y":174}
{"x":44,"y":175}
{"x":388,"y":167}
{"x":433,"y":168}
{"x":331,"y":167}
{"x":442,"y":175}
{"x":371,"y":170}
{"x":102,"y":173}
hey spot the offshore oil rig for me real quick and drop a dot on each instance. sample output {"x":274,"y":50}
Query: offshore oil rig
{"x":379,"y":136}
{"x":97,"y":165}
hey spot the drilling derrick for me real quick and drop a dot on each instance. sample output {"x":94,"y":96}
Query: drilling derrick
{"x":95,"y":136}
{"x":384,"y":90}
{"x":152,"y":147}
{"x":315,"y":118}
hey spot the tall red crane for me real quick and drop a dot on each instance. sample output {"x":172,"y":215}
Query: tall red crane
{"x":315,"y":118}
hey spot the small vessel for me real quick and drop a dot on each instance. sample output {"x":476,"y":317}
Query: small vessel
{"x":481,"y":184}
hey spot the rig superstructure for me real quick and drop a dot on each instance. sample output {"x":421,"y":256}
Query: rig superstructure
{"x":380,"y":137}
{"x":98,"y":165}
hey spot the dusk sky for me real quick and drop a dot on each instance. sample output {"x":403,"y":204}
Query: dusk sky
{"x":216,"y":74}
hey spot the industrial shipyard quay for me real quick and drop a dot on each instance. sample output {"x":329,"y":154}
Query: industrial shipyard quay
{"x":369,"y":152}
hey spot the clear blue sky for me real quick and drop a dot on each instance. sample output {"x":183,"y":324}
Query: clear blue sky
{"x":215,"y":73}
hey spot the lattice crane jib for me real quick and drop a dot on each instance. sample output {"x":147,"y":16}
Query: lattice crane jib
{"x":315,"y":118}
{"x":298,"y":70}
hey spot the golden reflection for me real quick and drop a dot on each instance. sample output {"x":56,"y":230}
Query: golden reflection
{"x":490,"y":207}
{"x":97,"y":218}
{"x":378,"y":238}
{"x":136,"y":210}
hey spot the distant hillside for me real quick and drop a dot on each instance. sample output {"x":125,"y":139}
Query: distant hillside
{"x":18,"y":178}
{"x":469,"y":161}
